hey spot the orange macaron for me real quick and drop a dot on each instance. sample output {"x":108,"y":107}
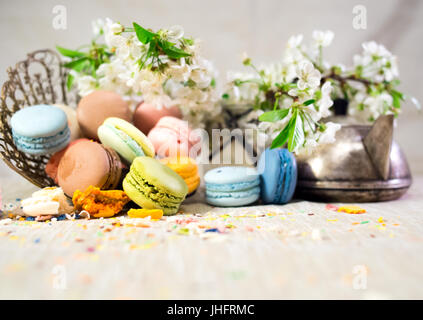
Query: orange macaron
{"x":187,"y":168}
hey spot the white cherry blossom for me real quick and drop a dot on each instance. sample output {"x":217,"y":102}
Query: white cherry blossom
{"x":323,"y":38}
{"x":308,"y":76}
{"x":187,"y":85}
{"x":295,"y":41}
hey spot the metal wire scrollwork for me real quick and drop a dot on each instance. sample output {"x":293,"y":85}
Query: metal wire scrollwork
{"x":39,"y":79}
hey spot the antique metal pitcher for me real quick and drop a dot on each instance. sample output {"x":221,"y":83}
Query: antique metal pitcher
{"x":363,"y":165}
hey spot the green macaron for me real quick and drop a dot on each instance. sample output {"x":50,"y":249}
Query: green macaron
{"x":125,"y":139}
{"x":153,"y":185}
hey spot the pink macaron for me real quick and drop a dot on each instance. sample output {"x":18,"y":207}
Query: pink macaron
{"x":173,"y":137}
{"x":146,"y":116}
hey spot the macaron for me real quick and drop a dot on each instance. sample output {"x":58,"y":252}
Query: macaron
{"x":96,"y":107}
{"x":125,"y":139}
{"x":188,"y":170}
{"x":40,"y":129}
{"x":152,"y":185}
{"x":88,"y":163}
{"x":232,"y":186}
{"x":73,"y":124}
{"x":278,"y":175}
{"x":146,"y":115}
{"x":53,"y":163}
{"x":173,"y":137}
{"x":45,"y":202}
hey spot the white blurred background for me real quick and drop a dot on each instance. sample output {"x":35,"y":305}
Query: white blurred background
{"x":229,"y":27}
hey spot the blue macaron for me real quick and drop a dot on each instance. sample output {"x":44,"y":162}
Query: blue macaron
{"x":232,"y":186}
{"x":40,"y":129}
{"x":278,"y":175}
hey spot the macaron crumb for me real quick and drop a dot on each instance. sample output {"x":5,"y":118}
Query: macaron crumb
{"x":99,"y":203}
{"x":351,"y":209}
{"x":155,"y":214}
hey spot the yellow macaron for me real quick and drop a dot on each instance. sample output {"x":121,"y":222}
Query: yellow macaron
{"x":186,"y":168}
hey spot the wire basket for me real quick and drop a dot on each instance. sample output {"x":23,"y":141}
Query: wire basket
{"x":40,"y":79}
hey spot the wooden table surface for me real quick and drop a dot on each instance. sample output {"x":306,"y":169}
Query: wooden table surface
{"x":295,"y":251}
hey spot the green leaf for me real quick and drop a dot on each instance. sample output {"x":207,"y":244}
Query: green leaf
{"x":143,"y":35}
{"x":399,"y":94}
{"x":397,"y":97}
{"x":265,"y":105}
{"x":225,"y":96}
{"x":69,"y":81}
{"x":296,"y":132}
{"x":395,"y":82}
{"x":275,"y":115}
{"x":189,"y":41}
{"x":308,"y":102}
{"x":93,"y":67}
{"x":78,"y":65}
{"x":172,"y":51}
{"x":70,"y":53}
{"x":282,"y":137}
{"x":396,"y":101}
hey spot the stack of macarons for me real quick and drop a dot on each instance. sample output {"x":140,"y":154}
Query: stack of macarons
{"x":273,"y":181}
{"x":103,"y":144}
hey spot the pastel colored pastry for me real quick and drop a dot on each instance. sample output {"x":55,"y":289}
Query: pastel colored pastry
{"x":125,"y":139}
{"x":152,"y":185}
{"x":73,"y":124}
{"x":40,"y":129}
{"x":96,"y":107}
{"x":89,"y":163}
{"x":100,"y":203}
{"x":53,"y":163}
{"x":48,"y":201}
{"x":155,"y":214}
{"x":278,"y":173}
{"x":146,"y":115}
{"x":187,"y":169}
{"x":172,"y":137}
{"x":232,"y":186}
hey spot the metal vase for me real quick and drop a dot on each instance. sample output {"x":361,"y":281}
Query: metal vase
{"x":363,"y":165}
